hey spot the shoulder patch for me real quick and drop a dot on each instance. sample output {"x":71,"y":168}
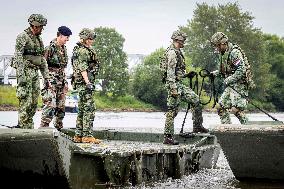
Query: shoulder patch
{"x":237,"y":62}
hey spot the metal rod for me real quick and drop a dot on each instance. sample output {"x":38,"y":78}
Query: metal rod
{"x":255,"y":105}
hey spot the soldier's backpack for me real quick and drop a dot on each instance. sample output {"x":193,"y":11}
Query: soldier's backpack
{"x":249,"y":76}
{"x":164,"y":65}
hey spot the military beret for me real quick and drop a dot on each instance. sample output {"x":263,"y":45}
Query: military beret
{"x":64,"y":31}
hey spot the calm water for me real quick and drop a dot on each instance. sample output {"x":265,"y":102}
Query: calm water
{"x":218,"y":178}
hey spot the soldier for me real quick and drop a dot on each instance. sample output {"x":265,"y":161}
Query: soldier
{"x":28,"y":59}
{"x":175,"y":72}
{"x":54,"y":98}
{"x":85,"y":67}
{"x":235,"y":69}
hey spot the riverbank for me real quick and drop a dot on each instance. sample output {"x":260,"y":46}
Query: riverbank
{"x":107,"y":103}
{"x":14,"y":108}
{"x":127,"y":103}
{"x":114,"y":109}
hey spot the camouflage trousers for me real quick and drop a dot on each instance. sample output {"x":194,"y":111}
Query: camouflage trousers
{"x":187,"y":95}
{"x":54,"y":103}
{"x":86,"y":113}
{"x":232,"y":99}
{"x":27,"y":92}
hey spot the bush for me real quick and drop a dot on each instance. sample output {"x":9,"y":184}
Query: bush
{"x":147,"y":81}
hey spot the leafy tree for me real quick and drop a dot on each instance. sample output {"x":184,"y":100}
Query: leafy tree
{"x":147,"y":81}
{"x":238,"y":26}
{"x":114,"y":69}
{"x":275,"y":57}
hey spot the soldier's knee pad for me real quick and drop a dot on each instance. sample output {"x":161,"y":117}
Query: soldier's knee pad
{"x":235,"y":110}
{"x":220,"y":110}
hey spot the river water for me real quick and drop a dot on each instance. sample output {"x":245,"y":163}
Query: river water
{"x":220,"y":177}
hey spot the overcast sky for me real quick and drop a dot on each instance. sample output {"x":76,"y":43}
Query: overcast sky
{"x":145,"y":24}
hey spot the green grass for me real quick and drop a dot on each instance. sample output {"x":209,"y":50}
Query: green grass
{"x":121,"y":103}
{"x":103,"y":102}
{"x":8,"y":96}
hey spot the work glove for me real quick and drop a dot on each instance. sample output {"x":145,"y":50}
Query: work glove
{"x":90,"y":87}
{"x":47,"y":84}
{"x":191,"y":74}
{"x":174,"y":93}
{"x":214,"y":73}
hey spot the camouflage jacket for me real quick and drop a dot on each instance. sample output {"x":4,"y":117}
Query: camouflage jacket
{"x":29,"y":46}
{"x":232,"y":65}
{"x":84,"y":59}
{"x":175,"y":67}
{"x":56,"y":56}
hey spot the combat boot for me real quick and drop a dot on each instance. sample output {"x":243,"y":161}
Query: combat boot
{"x":58,"y":126}
{"x":200,"y":129}
{"x":168,"y":139}
{"x":77,"y":139}
{"x":90,"y":139}
{"x":44,"y":125}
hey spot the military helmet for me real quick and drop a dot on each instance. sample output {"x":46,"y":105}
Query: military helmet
{"x":219,"y":38}
{"x":37,"y":20}
{"x":179,"y":35}
{"x":87,"y":33}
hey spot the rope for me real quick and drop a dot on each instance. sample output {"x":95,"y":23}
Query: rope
{"x":213,"y":93}
{"x":195,"y":87}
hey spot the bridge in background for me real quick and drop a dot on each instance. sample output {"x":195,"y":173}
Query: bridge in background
{"x":7,"y":73}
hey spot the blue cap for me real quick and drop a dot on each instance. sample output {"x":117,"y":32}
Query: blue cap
{"x":63,"y":30}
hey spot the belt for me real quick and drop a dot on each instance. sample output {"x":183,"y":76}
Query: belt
{"x":30,"y":65}
{"x":55,"y":69}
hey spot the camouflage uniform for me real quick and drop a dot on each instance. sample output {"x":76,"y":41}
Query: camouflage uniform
{"x":232,"y":67}
{"x":175,"y":73}
{"x":54,"y":98}
{"x":28,"y":59}
{"x":84,"y":59}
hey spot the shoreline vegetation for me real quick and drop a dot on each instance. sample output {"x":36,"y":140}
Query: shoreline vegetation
{"x":9,"y":102}
{"x":104,"y":103}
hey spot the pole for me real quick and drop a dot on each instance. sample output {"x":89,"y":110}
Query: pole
{"x":188,"y":105}
{"x":255,"y":105}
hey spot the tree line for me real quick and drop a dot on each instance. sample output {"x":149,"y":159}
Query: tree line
{"x":264,"y":52}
